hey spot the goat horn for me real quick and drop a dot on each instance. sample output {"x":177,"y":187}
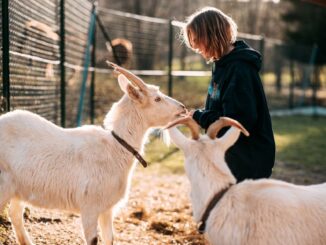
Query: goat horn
{"x":214,"y":128}
{"x":189,"y":122}
{"x":132,"y":77}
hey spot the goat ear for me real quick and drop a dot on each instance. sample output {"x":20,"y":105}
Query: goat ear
{"x":129,"y":89}
{"x":134,"y":93}
{"x":123,"y":83}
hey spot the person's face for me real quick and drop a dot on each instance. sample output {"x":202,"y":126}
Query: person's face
{"x":198,"y":47}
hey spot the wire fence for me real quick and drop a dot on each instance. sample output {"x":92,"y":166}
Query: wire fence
{"x":41,"y":41}
{"x":32,"y":57}
{"x":53,"y":61}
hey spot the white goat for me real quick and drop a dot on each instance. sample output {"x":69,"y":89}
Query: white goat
{"x":84,"y":170}
{"x":253,"y":212}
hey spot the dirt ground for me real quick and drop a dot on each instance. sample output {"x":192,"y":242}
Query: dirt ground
{"x":158,"y":212}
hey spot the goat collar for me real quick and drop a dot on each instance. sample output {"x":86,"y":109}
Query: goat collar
{"x":130,"y":149}
{"x":216,"y":198}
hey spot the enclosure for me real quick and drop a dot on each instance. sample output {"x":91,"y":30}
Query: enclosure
{"x":49,"y":64}
{"x":53,"y":62}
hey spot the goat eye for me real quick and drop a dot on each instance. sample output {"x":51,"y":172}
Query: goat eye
{"x":158,"y":99}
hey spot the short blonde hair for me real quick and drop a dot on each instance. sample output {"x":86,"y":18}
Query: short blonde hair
{"x":212,"y":28}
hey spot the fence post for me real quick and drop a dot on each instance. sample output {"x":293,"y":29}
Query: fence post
{"x":261,"y":50}
{"x":92,"y":85}
{"x":87,"y":58}
{"x":5,"y":55}
{"x":291,"y":85}
{"x":315,"y":79}
{"x":314,"y":94}
{"x":308,"y":71}
{"x":170,"y":83}
{"x":62,"y":64}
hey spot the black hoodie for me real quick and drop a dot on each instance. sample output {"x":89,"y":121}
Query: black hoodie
{"x":236,"y":91}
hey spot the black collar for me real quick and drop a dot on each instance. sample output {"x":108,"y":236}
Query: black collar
{"x":130,"y":149}
{"x":216,"y":198}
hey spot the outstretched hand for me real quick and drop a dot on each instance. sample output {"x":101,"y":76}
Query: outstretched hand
{"x":191,"y":113}
{"x":188,"y":114}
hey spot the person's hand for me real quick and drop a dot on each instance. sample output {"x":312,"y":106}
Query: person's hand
{"x":188,"y":113}
{"x":191,"y":113}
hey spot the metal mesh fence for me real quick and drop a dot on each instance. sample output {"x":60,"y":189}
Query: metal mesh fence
{"x":288,"y":83}
{"x":150,"y":47}
{"x":289,"y":76}
{"x":77,"y":18}
{"x":1,"y":65}
{"x":34,"y":51}
{"x":34,"y":56}
{"x":148,"y":36}
{"x":147,"y":55}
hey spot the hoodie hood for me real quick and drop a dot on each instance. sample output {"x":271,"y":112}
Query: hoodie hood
{"x":242,"y":52}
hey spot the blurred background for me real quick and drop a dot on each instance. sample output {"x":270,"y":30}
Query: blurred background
{"x":53,"y":55}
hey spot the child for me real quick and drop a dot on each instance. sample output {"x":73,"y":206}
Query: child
{"x":235,"y":91}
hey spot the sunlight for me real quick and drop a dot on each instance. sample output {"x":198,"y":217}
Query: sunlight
{"x":274,"y":1}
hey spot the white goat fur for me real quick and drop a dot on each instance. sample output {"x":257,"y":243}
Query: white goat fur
{"x":253,"y":212}
{"x":83,"y":170}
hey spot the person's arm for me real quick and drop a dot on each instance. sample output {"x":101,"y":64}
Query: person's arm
{"x":205,"y":117}
{"x":238,"y":101}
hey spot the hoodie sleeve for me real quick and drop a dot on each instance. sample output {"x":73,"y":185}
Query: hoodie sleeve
{"x":206,"y":117}
{"x":238,"y":100}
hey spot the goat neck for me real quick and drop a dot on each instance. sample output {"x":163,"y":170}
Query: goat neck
{"x":126,"y":121}
{"x":206,"y":179}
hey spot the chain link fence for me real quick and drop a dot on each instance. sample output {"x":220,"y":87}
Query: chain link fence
{"x":45,"y":44}
{"x":31,"y":55}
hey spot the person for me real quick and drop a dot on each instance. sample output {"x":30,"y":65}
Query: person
{"x":235,"y":91}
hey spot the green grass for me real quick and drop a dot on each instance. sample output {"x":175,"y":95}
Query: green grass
{"x":163,"y":158}
{"x":191,"y":91}
{"x":300,"y":141}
